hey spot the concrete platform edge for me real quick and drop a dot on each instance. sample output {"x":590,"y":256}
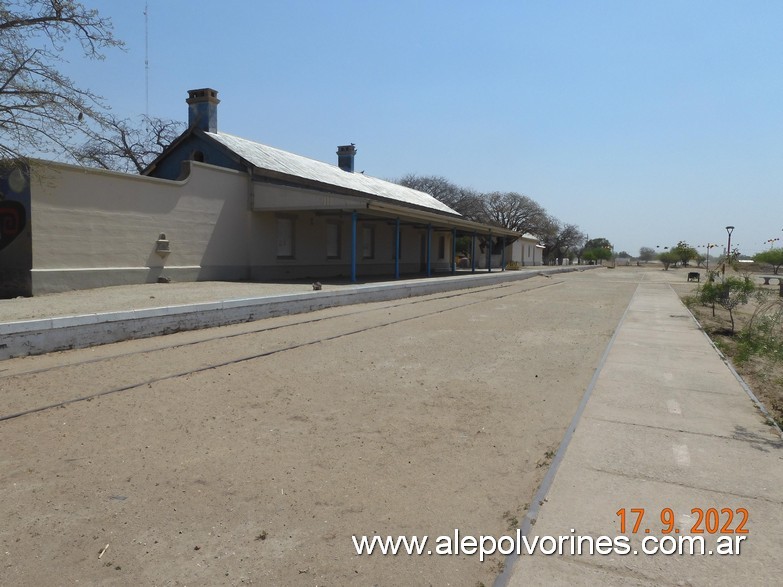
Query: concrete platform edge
{"x":35,"y":337}
{"x":531,"y":515}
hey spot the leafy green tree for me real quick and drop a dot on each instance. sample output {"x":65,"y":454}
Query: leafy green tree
{"x":772,"y":257}
{"x":598,"y":243}
{"x":684,"y":253}
{"x":597,"y":249}
{"x":668,"y":258}
{"x":596,"y":255}
{"x":728,"y":292}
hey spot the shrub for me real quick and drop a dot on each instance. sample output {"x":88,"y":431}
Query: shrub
{"x":763,"y":334}
{"x":727,"y":292}
{"x":668,"y":258}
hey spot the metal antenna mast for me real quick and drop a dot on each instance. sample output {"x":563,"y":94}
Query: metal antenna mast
{"x":147,"y":59}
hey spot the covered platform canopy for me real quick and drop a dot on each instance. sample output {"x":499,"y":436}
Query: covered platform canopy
{"x":286,"y":182}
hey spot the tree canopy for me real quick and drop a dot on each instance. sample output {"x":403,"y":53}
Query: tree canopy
{"x":127,"y":146}
{"x":772,"y":257}
{"x":668,"y":258}
{"x":507,"y":209}
{"x":728,"y":292}
{"x":467,"y":202}
{"x":597,"y":249}
{"x":562,"y":240}
{"x":646,"y":254}
{"x":514,"y":211}
{"x":42,"y":110}
{"x":684,"y":253}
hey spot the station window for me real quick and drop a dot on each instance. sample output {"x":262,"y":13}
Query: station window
{"x":333,"y":240}
{"x":285,"y":238}
{"x":368,"y":242}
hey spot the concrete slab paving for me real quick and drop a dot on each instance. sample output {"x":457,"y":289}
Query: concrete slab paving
{"x":754,"y":566}
{"x":664,"y":407}
{"x":713,"y":379}
{"x":668,"y":426}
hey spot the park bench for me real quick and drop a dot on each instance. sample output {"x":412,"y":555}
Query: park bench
{"x":694,"y":276}
{"x":766,"y":278}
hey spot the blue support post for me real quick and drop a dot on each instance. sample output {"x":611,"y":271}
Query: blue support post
{"x":429,"y":250}
{"x":397,"y":253}
{"x":453,"y":250}
{"x":473,"y":254}
{"x":503,"y":255}
{"x":489,"y":254}
{"x":354,"y":218}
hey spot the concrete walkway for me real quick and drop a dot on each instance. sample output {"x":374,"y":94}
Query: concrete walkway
{"x":666,"y":424}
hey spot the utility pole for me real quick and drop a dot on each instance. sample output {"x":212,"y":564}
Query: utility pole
{"x":147,"y":59}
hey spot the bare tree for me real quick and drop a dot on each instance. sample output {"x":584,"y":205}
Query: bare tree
{"x":570,"y":240}
{"x":467,"y":202}
{"x":561,"y":240}
{"x":514,"y":211}
{"x":125,"y":146}
{"x":42,"y":110}
{"x":646,"y":254}
{"x":507,"y":209}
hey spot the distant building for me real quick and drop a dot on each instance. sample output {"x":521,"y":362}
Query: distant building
{"x":215,"y":206}
{"x":527,"y":251}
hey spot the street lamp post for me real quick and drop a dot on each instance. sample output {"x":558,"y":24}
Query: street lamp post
{"x":709,"y":246}
{"x":729,"y":229}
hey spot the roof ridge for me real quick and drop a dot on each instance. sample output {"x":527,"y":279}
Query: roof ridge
{"x":233,"y":136}
{"x":280,"y":160}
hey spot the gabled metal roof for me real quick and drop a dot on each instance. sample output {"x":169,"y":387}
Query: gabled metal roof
{"x":265,"y":157}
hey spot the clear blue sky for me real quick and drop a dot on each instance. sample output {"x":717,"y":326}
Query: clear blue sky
{"x":642,"y":122}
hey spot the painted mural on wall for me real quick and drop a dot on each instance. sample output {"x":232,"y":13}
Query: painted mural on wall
{"x":15,"y":234}
{"x":12,"y":221}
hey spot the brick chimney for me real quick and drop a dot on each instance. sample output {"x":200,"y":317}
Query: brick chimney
{"x":202,"y":109}
{"x":345,"y":155}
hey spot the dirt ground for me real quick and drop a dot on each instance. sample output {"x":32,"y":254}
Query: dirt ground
{"x":251,"y":454}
